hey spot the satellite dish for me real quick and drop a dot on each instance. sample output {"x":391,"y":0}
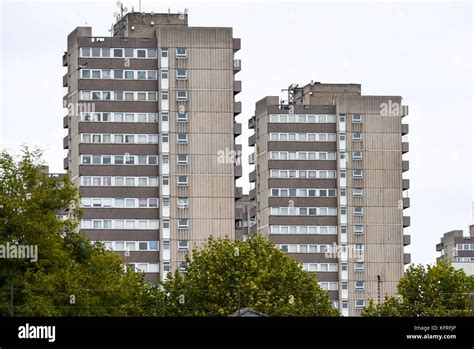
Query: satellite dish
{"x":125,"y":9}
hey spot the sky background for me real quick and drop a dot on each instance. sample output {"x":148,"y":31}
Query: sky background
{"x":421,"y":51}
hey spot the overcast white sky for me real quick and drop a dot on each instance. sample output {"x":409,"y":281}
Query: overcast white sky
{"x":419,"y":51}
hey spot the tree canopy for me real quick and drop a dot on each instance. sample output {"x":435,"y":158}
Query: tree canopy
{"x":225,"y":275}
{"x":434,"y":290}
{"x":71,"y":276}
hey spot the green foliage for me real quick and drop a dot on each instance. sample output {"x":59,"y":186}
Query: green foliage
{"x":72,"y":277}
{"x":256,"y":272}
{"x":438,"y":290}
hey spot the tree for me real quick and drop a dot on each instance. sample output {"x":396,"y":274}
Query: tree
{"x":71,"y":276}
{"x":438,"y":290}
{"x":226,"y":275}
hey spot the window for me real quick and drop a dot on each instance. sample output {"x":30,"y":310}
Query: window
{"x":118,"y":74}
{"x":359,"y":266}
{"x":359,"y":285}
{"x":357,"y":155}
{"x":359,"y":303}
{"x":182,"y":95}
{"x":141,"y":96}
{"x":181,"y":74}
{"x":182,"y":117}
{"x":118,"y":52}
{"x":357,"y":174}
{"x":358,"y":229}
{"x":357,"y":136}
{"x":152,"y":160}
{"x":183,"y":223}
{"x":128,"y":52}
{"x":183,"y":202}
{"x":183,"y":245}
{"x":85,"y":51}
{"x":129,"y":74}
{"x":358,"y":211}
{"x":182,"y":181}
{"x":182,"y":159}
{"x":358,"y":192}
{"x":141,"y":53}
{"x":356,"y":118}
{"x":164,"y":54}
{"x":181,"y":52}
{"x":182,"y":138}
{"x":151,"y":53}
{"x":343,"y":266}
{"x":151,"y":75}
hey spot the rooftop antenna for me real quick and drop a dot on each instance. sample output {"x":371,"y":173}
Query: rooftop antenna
{"x":291,"y":93}
{"x":120,"y":20}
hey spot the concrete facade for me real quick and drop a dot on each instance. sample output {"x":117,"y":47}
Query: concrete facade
{"x":151,"y":136}
{"x":329,"y":187}
{"x":458,"y":249}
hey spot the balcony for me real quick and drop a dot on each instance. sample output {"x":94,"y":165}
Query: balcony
{"x":66,"y":121}
{"x":404,"y":110}
{"x":252,"y":176}
{"x":238,"y":193}
{"x":66,"y":142}
{"x":252,"y":122}
{"x":238,"y":150}
{"x":406,"y":221}
{"x":405,"y":165}
{"x":65,"y":80}
{"x":65,"y":59}
{"x":252,"y":193}
{"x":237,"y":87}
{"x":252,"y":158}
{"x":237,"y":129}
{"x":253,"y":212}
{"x":65,"y":100}
{"x":404,"y":129}
{"x":236,"y":44}
{"x":66,"y":163}
{"x":405,"y":184}
{"x":405,"y":147}
{"x":406,"y":258}
{"x":237,"y":65}
{"x":252,"y":140}
{"x":406,"y":202}
{"x":406,"y":240}
{"x":237,"y":108}
{"x":237,"y":171}
{"x":439,"y":247}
